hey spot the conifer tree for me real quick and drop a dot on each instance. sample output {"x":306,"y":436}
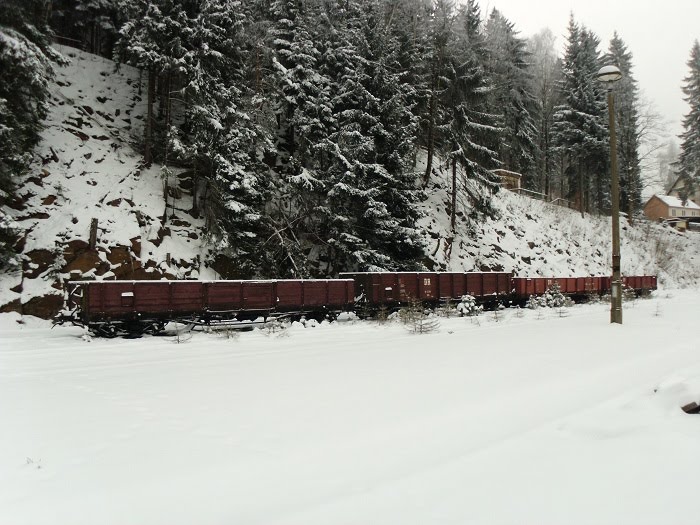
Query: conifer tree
{"x":627,"y":127}
{"x":219,"y":138}
{"x":469,"y":132}
{"x":154,"y":39}
{"x":689,"y":159}
{"x":25,"y":62}
{"x":90,"y":24}
{"x":508,"y":70}
{"x":299,"y":94}
{"x":439,"y":33}
{"x":580,"y":129}
{"x":372,"y":187}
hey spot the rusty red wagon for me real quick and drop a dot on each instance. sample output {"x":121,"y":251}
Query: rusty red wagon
{"x":113,"y":307}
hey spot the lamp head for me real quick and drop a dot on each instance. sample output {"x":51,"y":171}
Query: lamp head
{"x":609,"y":74}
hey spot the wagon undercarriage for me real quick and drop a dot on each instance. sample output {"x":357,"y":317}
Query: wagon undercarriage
{"x":232,"y":320}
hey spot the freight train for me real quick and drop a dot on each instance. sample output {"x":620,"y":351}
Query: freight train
{"x":111,"y":308}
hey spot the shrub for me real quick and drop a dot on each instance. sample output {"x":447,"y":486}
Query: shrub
{"x":468,"y":307}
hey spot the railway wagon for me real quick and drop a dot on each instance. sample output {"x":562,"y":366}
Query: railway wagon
{"x":524,"y":287}
{"x":394,"y":288}
{"x":113,"y":306}
{"x":640,"y":283}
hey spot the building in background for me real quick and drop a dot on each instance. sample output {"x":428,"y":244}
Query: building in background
{"x":672,"y":209}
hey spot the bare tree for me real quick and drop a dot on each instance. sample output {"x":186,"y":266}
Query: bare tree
{"x":653,"y":141}
{"x":546,"y":72}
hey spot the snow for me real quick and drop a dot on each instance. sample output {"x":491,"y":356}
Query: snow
{"x":87,"y":165}
{"x":532,"y":238}
{"x":669,"y":200}
{"x":530,"y":416}
{"x":73,"y":181}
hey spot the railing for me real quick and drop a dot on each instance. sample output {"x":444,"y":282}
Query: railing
{"x":72,"y":42}
{"x":542,"y":197}
{"x":529,"y":193}
{"x":563,"y":202}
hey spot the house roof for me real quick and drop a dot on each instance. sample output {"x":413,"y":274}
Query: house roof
{"x":675,"y":183}
{"x":675,"y":202}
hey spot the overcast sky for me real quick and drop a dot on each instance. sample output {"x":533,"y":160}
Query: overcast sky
{"x":659,"y":34}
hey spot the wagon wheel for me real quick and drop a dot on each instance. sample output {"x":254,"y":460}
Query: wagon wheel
{"x":107,"y":330}
{"x":155,"y":328}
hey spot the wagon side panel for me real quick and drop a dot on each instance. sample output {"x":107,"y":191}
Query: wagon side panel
{"x":407,"y":286}
{"x":114,"y":299}
{"x":520,"y":287}
{"x":315,"y":294}
{"x":224,"y":296}
{"x":186,"y":296}
{"x":504,"y":284}
{"x":490,"y":284}
{"x":459,"y":285}
{"x":475,"y":284}
{"x":427,"y":284}
{"x":152,"y":297}
{"x":340,"y":294}
{"x":446,"y":285}
{"x":258,"y":295}
{"x":289,"y":295}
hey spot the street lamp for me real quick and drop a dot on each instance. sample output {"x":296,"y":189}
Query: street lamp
{"x":608,"y":75}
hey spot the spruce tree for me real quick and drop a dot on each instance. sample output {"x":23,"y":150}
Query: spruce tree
{"x":469,"y":130}
{"x":371,"y":185}
{"x":25,"y":62}
{"x":689,"y":159}
{"x":439,"y":32}
{"x":627,"y":127}
{"x":89,"y":24}
{"x":580,"y":126}
{"x":299,"y":94}
{"x":154,"y":39}
{"x":508,"y":69}
{"x":220,"y":139}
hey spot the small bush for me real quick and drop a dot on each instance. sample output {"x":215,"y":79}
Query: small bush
{"x":446,"y":310}
{"x":382,"y":314}
{"x":628,"y":294}
{"x":468,"y":307}
{"x":552,"y":298}
{"x":417,"y":319}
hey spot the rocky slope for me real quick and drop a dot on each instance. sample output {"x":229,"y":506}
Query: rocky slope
{"x":88,"y":208}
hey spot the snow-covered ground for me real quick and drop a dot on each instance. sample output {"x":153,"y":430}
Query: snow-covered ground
{"x":528,"y":417}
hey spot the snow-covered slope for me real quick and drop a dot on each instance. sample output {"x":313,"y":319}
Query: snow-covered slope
{"x":530,"y":238}
{"x":88,"y":170}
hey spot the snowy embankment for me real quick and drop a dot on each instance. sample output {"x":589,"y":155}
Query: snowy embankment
{"x":90,"y":209}
{"x":533,"y":238}
{"x":88,"y":206}
{"x":527,"y":417}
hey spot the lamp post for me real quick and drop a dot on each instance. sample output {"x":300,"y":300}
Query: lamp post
{"x":608,"y":75}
